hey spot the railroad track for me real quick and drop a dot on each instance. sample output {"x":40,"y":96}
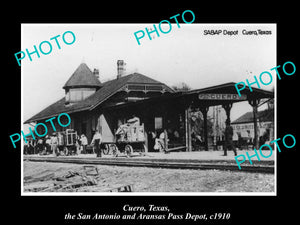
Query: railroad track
{"x":257,"y":167}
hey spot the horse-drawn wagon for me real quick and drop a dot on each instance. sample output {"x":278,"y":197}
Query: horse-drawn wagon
{"x":129,"y":138}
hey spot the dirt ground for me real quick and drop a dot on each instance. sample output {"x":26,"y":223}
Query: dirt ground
{"x":156,"y":179}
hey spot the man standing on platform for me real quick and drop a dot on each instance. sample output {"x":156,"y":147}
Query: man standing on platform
{"x":96,"y":142}
{"x":84,"y":143}
{"x":54,"y":145}
{"x":228,"y":138}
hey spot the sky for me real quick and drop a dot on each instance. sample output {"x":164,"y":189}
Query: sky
{"x":184,"y":54}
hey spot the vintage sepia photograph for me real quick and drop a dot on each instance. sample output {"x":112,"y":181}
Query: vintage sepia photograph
{"x":109,"y":111}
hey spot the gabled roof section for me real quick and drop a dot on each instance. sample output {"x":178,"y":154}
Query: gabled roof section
{"x":82,"y":77}
{"x":107,"y":90}
{"x":141,"y":79}
{"x":263,"y":116}
{"x":111,"y":87}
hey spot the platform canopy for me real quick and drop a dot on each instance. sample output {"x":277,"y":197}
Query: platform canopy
{"x":225,"y":93}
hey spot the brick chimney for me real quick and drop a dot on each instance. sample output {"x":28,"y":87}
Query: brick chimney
{"x":96,"y":73}
{"x":121,"y":68}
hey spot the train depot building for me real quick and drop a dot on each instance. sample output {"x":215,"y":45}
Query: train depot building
{"x":93,"y":105}
{"x":243,"y":126}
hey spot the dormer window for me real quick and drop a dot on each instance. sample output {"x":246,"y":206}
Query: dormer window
{"x":78,"y":94}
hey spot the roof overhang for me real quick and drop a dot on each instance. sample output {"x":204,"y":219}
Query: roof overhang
{"x":210,"y":96}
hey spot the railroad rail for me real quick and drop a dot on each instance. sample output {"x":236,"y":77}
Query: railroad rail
{"x":257,"y":167}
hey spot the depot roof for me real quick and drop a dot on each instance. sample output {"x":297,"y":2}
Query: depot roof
{"x":107,"y":89}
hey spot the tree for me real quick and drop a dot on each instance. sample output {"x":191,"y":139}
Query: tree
{"x":181,"y":87}
{"x":197,"y":124}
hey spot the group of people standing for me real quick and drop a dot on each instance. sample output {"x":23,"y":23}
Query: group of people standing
{"x":82,"y":144}
{"x":54,"y":145}
{"x":42,"y":146}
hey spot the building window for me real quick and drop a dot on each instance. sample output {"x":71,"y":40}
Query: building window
{"x":68,"y":96}
{"x":79,"y":94}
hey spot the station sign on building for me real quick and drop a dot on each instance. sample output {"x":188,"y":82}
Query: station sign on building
{"x":218,"y":96}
